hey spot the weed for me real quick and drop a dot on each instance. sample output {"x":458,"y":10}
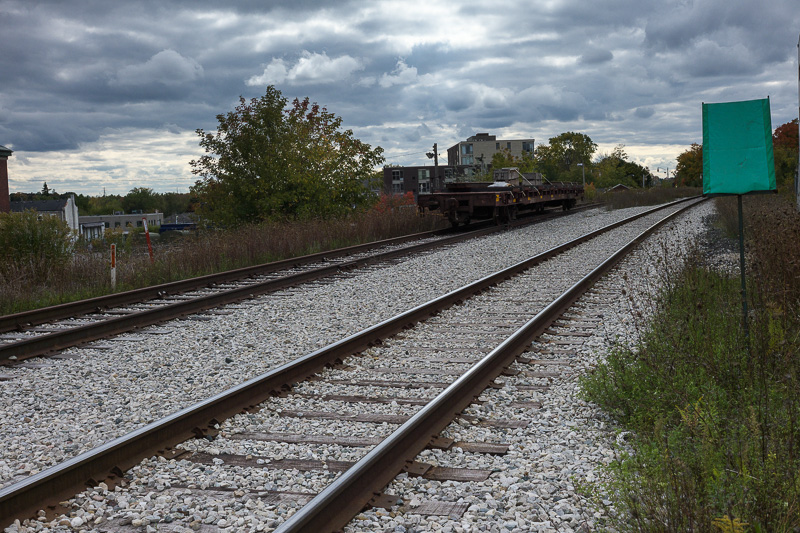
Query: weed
{"x":715,"y":418}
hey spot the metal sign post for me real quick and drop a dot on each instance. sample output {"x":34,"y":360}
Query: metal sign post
{"x":147,"y":237}
{"x":113,"y":267}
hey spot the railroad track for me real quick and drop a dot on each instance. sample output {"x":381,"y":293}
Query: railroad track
{"x":45,"y":331}
{"x":466,"y":366}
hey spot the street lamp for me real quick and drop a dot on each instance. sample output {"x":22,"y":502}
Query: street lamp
{"x":583,"y":173}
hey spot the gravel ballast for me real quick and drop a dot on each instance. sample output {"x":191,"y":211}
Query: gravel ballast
{"x":72,"y":405}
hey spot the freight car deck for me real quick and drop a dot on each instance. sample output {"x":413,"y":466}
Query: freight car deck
{"x":501,"y":201}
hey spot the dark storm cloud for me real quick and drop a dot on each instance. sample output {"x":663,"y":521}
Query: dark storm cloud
{"x":75,"y":71}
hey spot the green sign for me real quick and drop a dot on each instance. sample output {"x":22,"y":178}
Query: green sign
{"x":737,"y":148}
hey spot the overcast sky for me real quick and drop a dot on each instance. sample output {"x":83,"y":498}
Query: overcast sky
{"x":99,"y":95}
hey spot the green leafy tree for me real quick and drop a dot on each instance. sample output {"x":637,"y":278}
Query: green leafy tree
{"x":615,"y":168}
{"x":505,"y":159}
{"x":689,"y":170}
{"x":558,"y":160}
{"x":174,"y":203}
{"x":140,"y":199}
{"x":269,"y":162}
{"x":104,"y":205}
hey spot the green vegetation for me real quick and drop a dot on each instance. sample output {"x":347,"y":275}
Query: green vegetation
{"x":614,"y":168}
{"x":138,"y":198}
{"x":33,"y":248}
{"x":36,"y":280}
{"x":715,"y":417}
{"x":267,"y":162}
{"x":689,"y":170}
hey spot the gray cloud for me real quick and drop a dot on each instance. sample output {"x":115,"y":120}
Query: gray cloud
{"x":76,"y":73}
{"x":596,"y":57}
{"x":167,"y":68}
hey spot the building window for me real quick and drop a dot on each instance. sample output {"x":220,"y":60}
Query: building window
{"x":508,"y":145}
{"x":423,"y":174}
{"x":105,"y":224}
{"x":448,"y":174}
{"x":527,"y":147}
{"x":496,"y":146}
{"x":424,"y":186}
{"x":397,"y":175}
{"x":397,"y":188}
{"x":467,"y":160}
{"x":466,"y":149}
{"x":138,"y":223}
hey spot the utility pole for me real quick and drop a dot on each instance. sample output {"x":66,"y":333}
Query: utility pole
{"x":436,"y":165}
{"x":435,"y":184}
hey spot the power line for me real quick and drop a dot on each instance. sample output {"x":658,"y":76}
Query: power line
{"x":409,"y":153}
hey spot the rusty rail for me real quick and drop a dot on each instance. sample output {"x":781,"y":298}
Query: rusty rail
{"x":335,"y":506}
{"x":47,"y":343}
{"x":109,"y":461}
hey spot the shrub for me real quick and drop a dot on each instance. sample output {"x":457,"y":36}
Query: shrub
{"x":590,"y":192}
{"x":388,"y":202}
{"x":33,"y":247}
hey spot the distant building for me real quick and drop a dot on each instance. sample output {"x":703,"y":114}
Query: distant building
{"x":62,"y":209}
{"x":93,"y":224}
{"x":420,"y":179}
{"x":5,"y":200}
{"x":479,"y":149}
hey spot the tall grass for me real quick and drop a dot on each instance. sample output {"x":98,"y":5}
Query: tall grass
{"x":86,"y":273}
{"x":716,"y":416}
{"x":645,"y":197}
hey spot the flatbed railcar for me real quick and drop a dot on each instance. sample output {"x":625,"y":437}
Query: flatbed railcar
{"x":498,"y":200}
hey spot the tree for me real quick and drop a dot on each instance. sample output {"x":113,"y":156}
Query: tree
{"x":784,"y":148}
{"x":785,"y":136}
{"x":269,"y":162}
{"x":689,"y":170}
{"x":558,"y":160}
{"x":505,"y":159}
{"x":614,"y":168}
{"x":104,"y":205}
{"x":140,"y":199}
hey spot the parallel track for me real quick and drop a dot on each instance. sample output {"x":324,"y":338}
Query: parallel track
{"x":336,"y":505}
{"x":106,"y":316}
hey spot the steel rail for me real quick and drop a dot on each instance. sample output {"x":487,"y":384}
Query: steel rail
{"x":46,"y":314}
{"x":356,"y":488}
{"x":33,"y":317}
{"x":108,"y":462}
{"x":43,"y":344}
{"x":14,"y":352}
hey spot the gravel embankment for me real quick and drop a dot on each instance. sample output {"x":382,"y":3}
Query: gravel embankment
{"x":75,"y":404}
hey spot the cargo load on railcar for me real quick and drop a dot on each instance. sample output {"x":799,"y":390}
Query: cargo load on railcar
{"x":503,"y":199}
